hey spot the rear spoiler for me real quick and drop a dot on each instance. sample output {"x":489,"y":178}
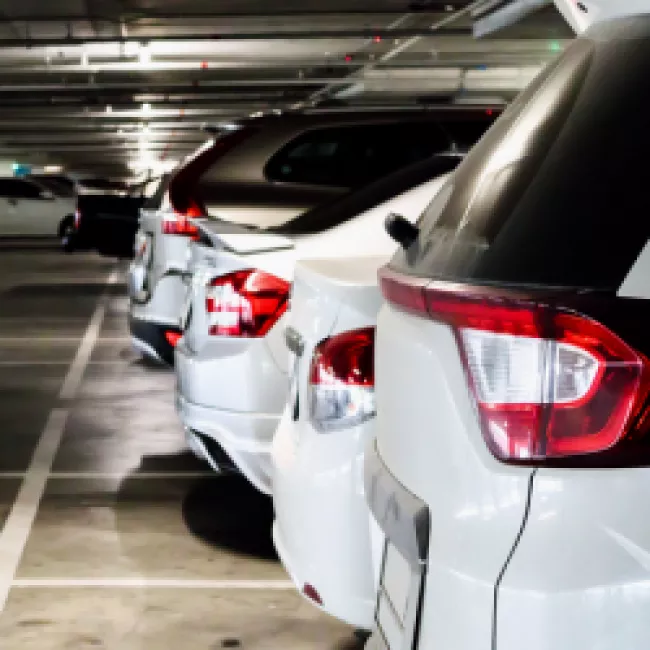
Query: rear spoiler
{"x":241,"y":240}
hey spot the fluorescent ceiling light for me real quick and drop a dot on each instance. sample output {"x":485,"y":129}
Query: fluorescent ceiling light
{"x":145,"y":54}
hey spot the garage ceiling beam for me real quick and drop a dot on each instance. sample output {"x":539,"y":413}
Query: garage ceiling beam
{"x":302,"y":35}
{"x":395,"y":51}
{"x":151,"y":14}
{"x":506,"y":16}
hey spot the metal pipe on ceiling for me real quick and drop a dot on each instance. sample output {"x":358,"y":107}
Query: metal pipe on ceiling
{"x":276,"y":35}
{"x":506,"y":16}
{"x":327,"y":90}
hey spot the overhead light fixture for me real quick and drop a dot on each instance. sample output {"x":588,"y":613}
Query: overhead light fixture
{"x":131,"y":48}
{"x":109,"y":108}
{"x":52,"y":169}
{"x":84,"y":59}
{"x":144,"y":54}
{"x":146,"y":107}
{"x":145,"y":129}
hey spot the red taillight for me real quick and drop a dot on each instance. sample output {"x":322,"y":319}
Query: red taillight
{"x":342,"y":380}
{"x":245,"y":303}
{"x":548,"y":383}
{"x":310,"y":592}
{"x":77,"y":218}
{"x":179,"y":225}
{"x":173,"y":337}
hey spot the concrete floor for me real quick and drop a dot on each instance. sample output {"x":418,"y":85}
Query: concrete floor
{"x":113,"y":535}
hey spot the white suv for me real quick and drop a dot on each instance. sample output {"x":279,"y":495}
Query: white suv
{"x":511,"y":469}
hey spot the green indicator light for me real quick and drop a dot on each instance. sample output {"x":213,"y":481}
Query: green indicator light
{"x":555,"y":46}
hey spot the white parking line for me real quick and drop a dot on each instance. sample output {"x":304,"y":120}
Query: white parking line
{"x":57,"y":363}
{"x":78,"y":366}
{"x":23,"y":512}
{"x":114,"y":475}
{"x":49,"y":339}
{"x":151,"y":583}
{"x":20,"y":520}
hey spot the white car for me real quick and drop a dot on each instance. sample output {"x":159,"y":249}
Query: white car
{"x":322,"y":524}
{"x":29,"y":209}
{"x":157,"y":281}
{"x":511,"y":468}
{"x":232,"y":364}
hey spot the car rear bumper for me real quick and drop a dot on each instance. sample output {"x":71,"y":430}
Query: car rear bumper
{"x":245,"y":438}
{"x":405,"y":521}
{"x":149,"y":338}
{"x":322,"y":526}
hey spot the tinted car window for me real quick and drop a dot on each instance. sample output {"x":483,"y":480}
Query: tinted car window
{"x":355,"y":203}
{"x":353,"y":156}
{"x":54,"y":184}
{"x":18,"y":189}
{"x":556,"y":193}
{"x":156,"y":193}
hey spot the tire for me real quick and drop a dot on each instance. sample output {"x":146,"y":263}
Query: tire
{"x":66,"y":234}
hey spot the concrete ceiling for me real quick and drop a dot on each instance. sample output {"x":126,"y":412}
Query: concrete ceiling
{"x":104,"y":86}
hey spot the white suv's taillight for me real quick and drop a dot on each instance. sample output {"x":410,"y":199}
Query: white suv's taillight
{"x":179,"y":224}
{"x":245,"y":303}
{"x":549,"y":383}
{"x":342,"y":381}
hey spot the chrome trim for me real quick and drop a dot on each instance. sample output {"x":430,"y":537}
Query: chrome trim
{"x":402,"y":516}
{"x":295,"y":341}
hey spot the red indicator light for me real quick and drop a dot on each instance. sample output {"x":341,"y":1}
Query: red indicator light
{"x":173,"y":338}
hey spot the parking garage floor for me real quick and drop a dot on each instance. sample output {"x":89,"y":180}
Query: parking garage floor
{"x":113,"y":535}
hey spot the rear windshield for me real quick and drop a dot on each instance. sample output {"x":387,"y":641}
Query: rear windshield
{"x":556,"y":194}
{"x":343,"y":209}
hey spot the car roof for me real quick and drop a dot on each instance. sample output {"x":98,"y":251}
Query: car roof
{"x":346,"y":115}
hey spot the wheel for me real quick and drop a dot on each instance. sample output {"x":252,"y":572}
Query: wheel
{"x":66,"y":234}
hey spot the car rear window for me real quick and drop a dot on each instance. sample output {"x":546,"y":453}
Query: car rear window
{"x":352,"y":204}
{"x":352,"y":156}
{"x":556,"y":194}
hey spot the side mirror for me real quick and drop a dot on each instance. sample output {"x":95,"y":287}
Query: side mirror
{"x":401,"y":230}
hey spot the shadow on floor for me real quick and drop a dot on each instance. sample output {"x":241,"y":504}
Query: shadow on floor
{"x":64,"y":290}
{"x":228,"y":512}
{"x":223,"y":511}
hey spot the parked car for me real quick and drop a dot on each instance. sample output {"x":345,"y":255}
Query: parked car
{"x":510,"y":472}
{"x":108,"y":222}
{"x":28,"y":209}
{"x":232,"y":364}
{"x":59,"y":184}
{"x":261,"y":173}
{"x":322,"y":524}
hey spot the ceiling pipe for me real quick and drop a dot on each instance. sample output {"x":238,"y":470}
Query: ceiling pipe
{"x":276,"y":35}
{"x":152,"y":14}
{"x":398,"y":49}
{"x":506,"y":16}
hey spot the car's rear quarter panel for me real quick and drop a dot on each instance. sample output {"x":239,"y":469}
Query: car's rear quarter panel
{"x":428,"y":435}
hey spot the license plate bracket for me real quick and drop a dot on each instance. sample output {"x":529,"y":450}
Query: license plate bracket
{"x":398,"y":598}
